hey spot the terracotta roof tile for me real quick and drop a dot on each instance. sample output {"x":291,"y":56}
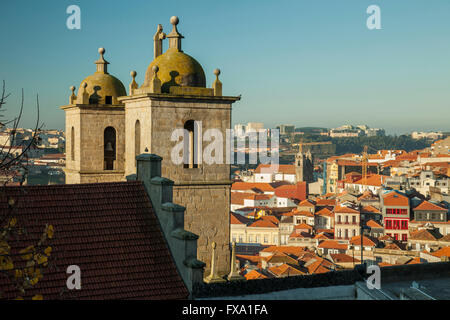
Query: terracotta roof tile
{"x":428,"y":206}
{"x":373,"y":224}
{"x":108,"y":229}
{"x":395,"y":199}
{"x":281,"y":168}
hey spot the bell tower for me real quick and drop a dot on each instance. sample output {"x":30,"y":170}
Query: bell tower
{"x":174,"y":97}
{"x":304,"y":166}
{"x":95,"y":128}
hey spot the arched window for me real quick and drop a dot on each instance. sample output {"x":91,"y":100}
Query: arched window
{"x":189,"y":145}
{"x":72,"y":144}
{"x":137,"y":138}
{"x":109,"y":147}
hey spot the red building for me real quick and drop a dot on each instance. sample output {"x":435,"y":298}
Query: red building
{"x":396,"y":215}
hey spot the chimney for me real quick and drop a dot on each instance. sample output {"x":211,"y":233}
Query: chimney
{"x":182,"y":243}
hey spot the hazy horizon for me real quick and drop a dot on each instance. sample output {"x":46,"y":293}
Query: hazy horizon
{"x":299,"y":62}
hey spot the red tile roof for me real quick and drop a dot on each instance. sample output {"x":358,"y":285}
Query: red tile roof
{"x":424,"y":234}
{"x":342,"y":258}
{"x":325,"y":212}
{"x":428,"y":206}
{"x":254,"y":274}
{"x":326,"y":202}
{"x":281,"y":168}
{"x":307,"y":203}
{"x":344,"y":209}
{"x":373,"y":224}
{"x":370,"y":209}
{"x":293,"y":250}
{"x":297,"y":191}
{"x":372,"y":180}
{"x":236,"y":218}
{"x":395,"y":199}
{"x":367,"y":242}
{"x":302,"y":213}
{"x":332,"y":244}
{"x":109,"y":230}
{"x":445,"y":251}
{"x":258,"y":186}
{"x":285,"y":270}
{"x":263,"y":223}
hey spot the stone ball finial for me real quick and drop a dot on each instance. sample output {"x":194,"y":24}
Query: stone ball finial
{"x":72,"y":88}
{"x":155,"y":69}
{"x":101,"y":50}
{"x":217,"y":72}
{"x":214,"y":245}
{"x":133,"y":74}
{"x":84,"y":85}
{"x":174,"y":20}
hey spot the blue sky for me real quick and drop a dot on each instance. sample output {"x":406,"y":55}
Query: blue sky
{"x":309,"y":63}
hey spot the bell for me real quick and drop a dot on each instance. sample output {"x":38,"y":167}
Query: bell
{"x":109,"y":147}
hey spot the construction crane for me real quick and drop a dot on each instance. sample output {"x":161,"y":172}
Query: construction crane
{"x":365,"y":164}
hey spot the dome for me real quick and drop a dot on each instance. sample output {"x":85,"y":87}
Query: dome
{"x":176,"y":69}
{"x":101,"y":85}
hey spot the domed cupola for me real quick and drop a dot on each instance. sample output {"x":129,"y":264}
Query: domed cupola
{"x":100,"y":87}
{"x":175,"y":68}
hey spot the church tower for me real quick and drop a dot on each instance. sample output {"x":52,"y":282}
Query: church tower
{"x":106,"y":129}
{"x":173,"y":97}
{"x":95,"y":126}
{"x":304,"y":166}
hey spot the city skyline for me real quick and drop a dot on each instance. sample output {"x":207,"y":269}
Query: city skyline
{"x":288,"y":60}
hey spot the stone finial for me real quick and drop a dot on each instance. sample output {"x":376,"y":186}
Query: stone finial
{"x":102,"y":64}
{"x":73,"y":97}
{"x":213,"y":277}
{"x":83,"y":95}
{"x":155,"y":84}
{"x":217,"y":85}
{"x":174,"y":36}
{"x":234,"y":270}
{"x":158,"y":41}
{"x":133,"y":84}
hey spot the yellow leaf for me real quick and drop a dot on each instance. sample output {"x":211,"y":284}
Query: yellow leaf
{"x":47,"y":251}
{"x":24,"y":252}
{"x":18,"y":273}
{"x":12,"y":222}
{"x":37,"y":297}
{"x":4,"y":247}
{"x":41,"y":259}
{"x":50,"y":231}
{"x":6,"y":263}
{"x":34,"y":281}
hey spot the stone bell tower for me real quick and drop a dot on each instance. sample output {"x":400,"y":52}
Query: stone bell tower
{"x":174,"y":97}
{"x":304,"y":166}
{"x":95,"y":127}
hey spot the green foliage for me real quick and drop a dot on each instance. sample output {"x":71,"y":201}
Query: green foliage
{"x":356,"y":144}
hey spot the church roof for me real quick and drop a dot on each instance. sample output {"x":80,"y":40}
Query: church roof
{"x":176,"y":68}
{"x":109,"y":230}
{"x":101,"y":83}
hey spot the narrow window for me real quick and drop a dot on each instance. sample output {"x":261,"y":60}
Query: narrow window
{"x":72,"y":144}
{"x":109,"y":140}
{"x":108,"y":100}
{"x":137,"y":138}
{"x":189,"y":145}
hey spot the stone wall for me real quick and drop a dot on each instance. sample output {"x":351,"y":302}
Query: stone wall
{"x":208,"y":215}
{"x":204,"y":191}
{"x":89,"y":123}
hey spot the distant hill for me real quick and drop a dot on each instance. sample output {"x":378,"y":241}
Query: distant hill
{"x":311,"y":129}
